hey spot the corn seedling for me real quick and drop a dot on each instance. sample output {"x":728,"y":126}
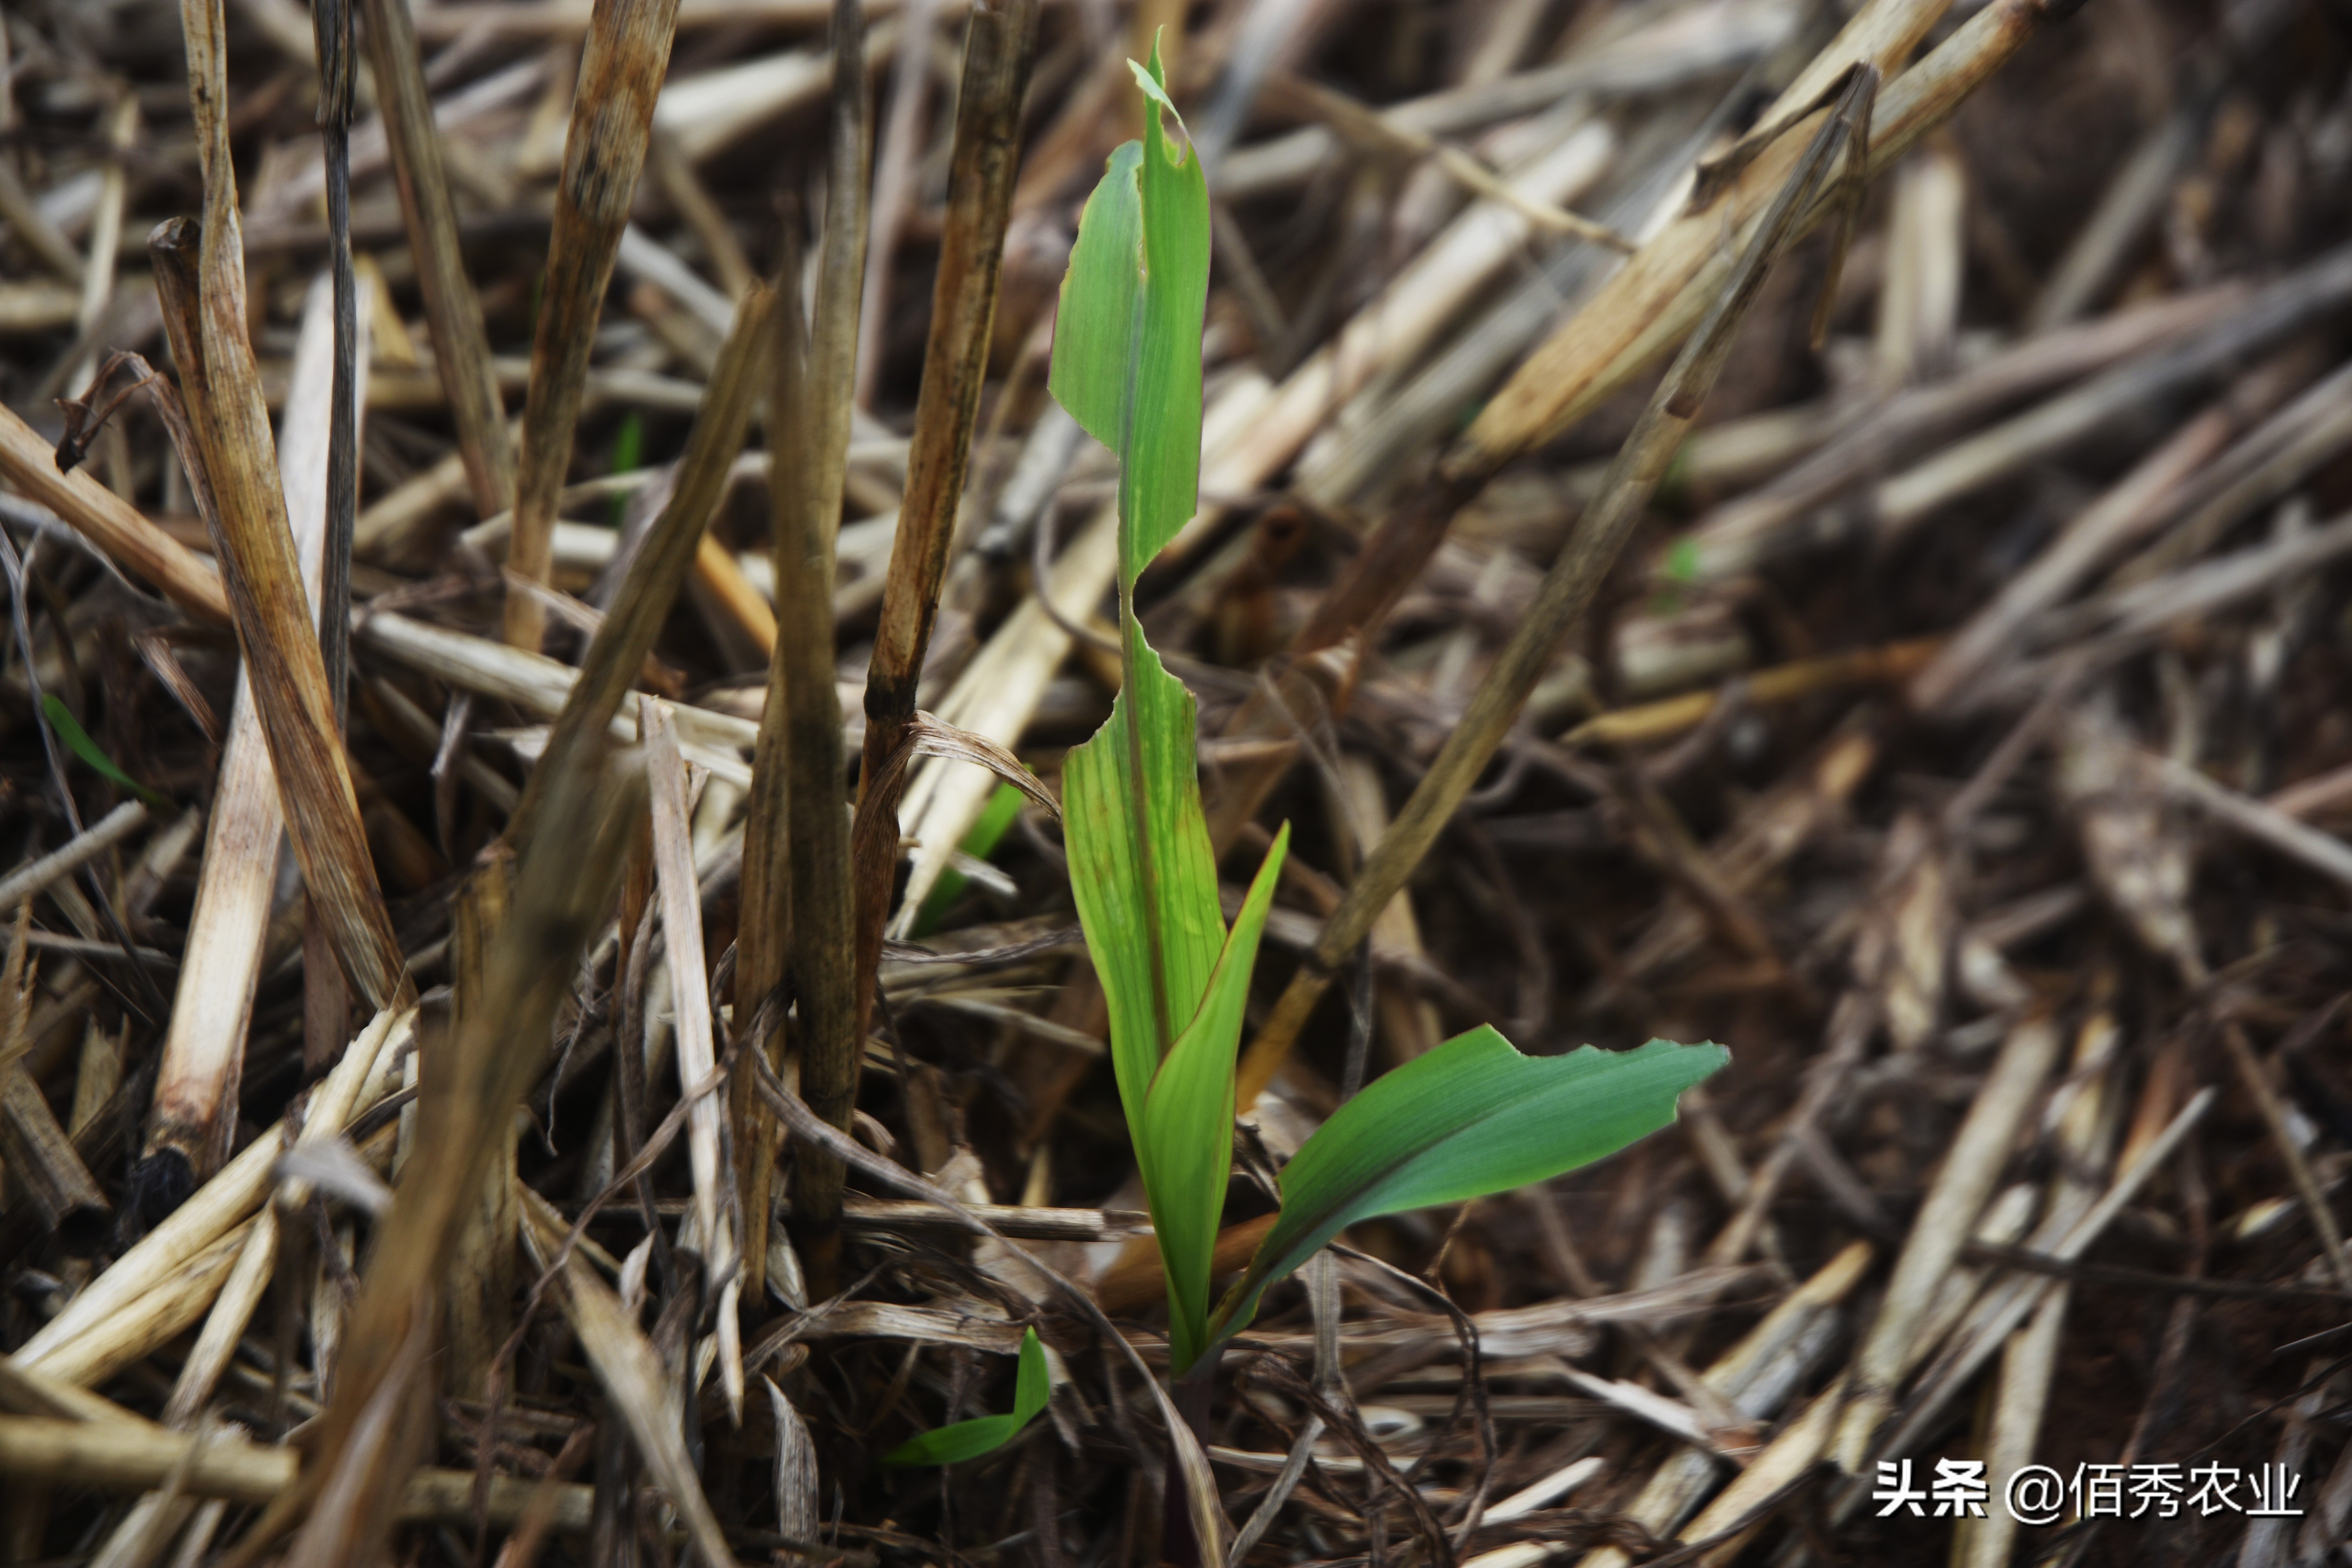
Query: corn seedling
{"x":1470,"y":1118}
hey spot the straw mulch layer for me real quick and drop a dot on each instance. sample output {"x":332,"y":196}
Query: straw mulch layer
{"x":416,"y":1048}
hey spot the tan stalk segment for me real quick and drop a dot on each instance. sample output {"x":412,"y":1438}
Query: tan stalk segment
{"x":23,"y":1392}
{"x":1680,"y":270}
{"x":1758,"y":1375}
{"x":1585,"y":558}
{"x":38,"y":233}
{"x":621,"y":72}
{"x":43,"y":1168}
{"x":796,"y":892}
{"x":203,"y":1043}
{"x":1361,"y":123}
{"x":209,"y":1359}
{"x":763,"y":938}
{"x":481,"y":1274}
{"x":634,"y":1377}
{"x":1893,"y":1345}
{"x":2085,"y":1137}
{"x":195,"y":1076}
{"x":698,"y":1058}
{"x":135,"y":1456}
{"x":467,"y":1092}
{"x":461,"y":348}
{"x":154,"y":1318}
{"x":535,"y":682}
{"x":29,"y":879}
{"x":200,"y":277}
{"x":2061,"y":1237}
{"x":617,"y":651}
{"x":998,"y":49}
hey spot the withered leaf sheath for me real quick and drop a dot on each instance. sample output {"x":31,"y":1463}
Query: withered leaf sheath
{"x":200,"y":275}
{"x":798,"y":794}
{"x":461,"y":349}
{"x":999,"y":48}
{"x":192,"y":1114}
{"x":612,"y":116}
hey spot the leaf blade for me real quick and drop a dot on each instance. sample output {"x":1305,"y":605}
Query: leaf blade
{"x":1095,"y":327}
{"x":1117,"y":906}
{"x":77,"y":738}
{"x":1162,"y":477}
{"x":1475,"y":1116}
{"x":1185,"y":1144}
{"x":960,"y":1440}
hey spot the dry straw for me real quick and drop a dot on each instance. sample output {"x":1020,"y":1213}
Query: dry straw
{"x":461,"y":349}
{"x":998,"y":48}
{"x":798,"y":917}
{"x":202,"y":283}
{"x":612,"y":115}
{"x":204,"y":1044}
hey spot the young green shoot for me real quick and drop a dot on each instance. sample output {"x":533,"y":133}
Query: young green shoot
{"x":961,"y":1440}
{"x":77,"y":738}
{"x":1126,"y":366}
{"x":1470,"y":1118}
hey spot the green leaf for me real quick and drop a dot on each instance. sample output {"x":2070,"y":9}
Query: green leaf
{"x":628,"y":457}
{"x":1101,"y":313}
{"x":629,"y":443}
{"x":78,"y":742}
{"x":1161,"y":471}
{"x":1470,"y":1118}
{"x":1126,"y":366}
{"x":1127,"y":340}
{"x":1123,"y":896}
{"x":1682,"y":559}
{"x":1185,"y":1144}
{"x":961,"y":1440}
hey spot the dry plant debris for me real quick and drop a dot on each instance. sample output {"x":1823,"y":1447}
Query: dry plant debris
{"x":579,"y":1064}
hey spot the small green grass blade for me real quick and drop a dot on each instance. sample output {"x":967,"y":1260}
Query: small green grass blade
{"x":628,"y":457}
{"x":1186,"y":1142}
{"x":1471,"y":1117}
{"x":961,"y":1440}
{"x":69,"y":730}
